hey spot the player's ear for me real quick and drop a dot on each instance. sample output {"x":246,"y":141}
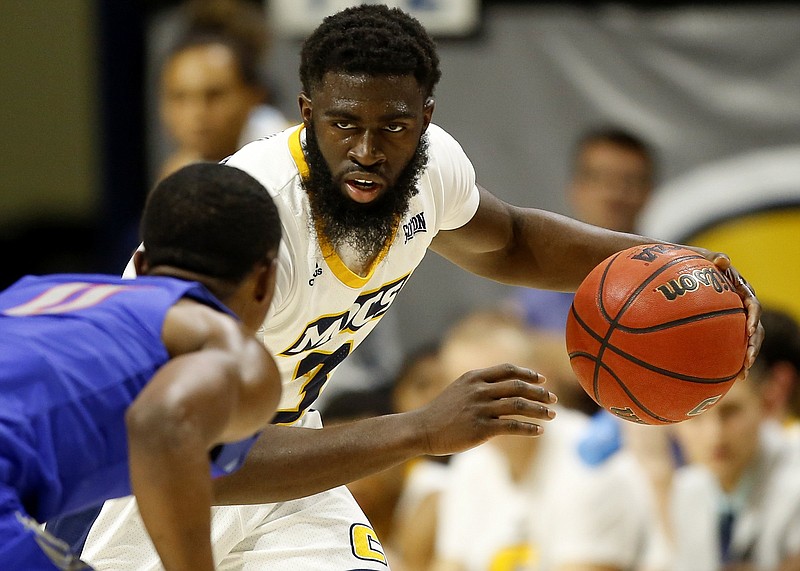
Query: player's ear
{"x":305,"y":107}
{"x":265,"y":280}
{"x":140,"y":262}
{"x":427,"y":112}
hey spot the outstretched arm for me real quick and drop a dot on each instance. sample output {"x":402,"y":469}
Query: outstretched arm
{"x":289,"y":462}
{"x":223,"y":388}
{"x":529,"y":247}
{"x":536,"y":248}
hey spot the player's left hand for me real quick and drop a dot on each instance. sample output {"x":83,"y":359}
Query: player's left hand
{"x":755,"y":331}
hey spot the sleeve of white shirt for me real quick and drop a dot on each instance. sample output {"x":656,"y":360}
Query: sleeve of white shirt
{"x":452,"y":179}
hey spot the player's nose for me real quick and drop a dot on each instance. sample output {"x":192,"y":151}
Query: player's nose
{"x":366,"y":150}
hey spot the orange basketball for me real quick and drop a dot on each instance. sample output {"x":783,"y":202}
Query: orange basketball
{"x":656,"y":334}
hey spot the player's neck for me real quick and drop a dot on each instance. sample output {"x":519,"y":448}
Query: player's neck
{"x":359,"y":258}
{"x":357,"y":261}
{"x":220,"y":288}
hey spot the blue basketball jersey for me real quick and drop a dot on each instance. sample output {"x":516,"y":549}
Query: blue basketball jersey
{"x":75,"y":351}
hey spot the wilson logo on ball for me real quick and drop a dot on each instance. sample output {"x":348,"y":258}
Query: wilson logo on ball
{"x":708,"y":277}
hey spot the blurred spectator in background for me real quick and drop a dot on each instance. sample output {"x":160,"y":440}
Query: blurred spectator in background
{"x":612,"y":176}
{"x":401,"y":502}
{"x":524,"y":504}
{"x":213,"y":96}
{"x":781,"y":359}
{"x":736,"y":504}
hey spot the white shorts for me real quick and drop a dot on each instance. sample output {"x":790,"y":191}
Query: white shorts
{"x":323,"y":532}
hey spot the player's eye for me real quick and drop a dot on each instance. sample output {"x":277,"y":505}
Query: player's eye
{"x":393,"y":128}
{"x":344,"y":125}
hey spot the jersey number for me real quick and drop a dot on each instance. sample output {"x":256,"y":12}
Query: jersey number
{"x":319,"y":366}
{"x":65,"y":298}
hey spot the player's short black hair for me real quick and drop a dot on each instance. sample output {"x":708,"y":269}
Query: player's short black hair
{"x":211,"y":219}
{"x":370,"y":39}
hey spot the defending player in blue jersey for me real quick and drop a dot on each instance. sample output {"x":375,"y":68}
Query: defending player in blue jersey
{"x":112,"y":386}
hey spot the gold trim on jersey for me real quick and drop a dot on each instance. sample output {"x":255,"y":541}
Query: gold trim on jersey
{"x":344,"y":274}
{"x":296,"y":149}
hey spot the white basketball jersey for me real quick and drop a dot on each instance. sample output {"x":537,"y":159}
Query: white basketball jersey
{"x":321,"y":310}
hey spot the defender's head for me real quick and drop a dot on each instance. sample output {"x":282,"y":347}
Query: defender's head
{"x":215,"y":224}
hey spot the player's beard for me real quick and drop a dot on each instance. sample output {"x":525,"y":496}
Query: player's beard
{"x":363,"y":227}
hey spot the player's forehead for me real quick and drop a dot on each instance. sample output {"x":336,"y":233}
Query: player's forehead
{"x":390,"y":93}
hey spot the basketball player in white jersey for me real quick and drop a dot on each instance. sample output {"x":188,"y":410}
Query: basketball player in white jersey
{"x":365,"y":186}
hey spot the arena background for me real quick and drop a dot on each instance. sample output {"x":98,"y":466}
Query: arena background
{"x":715,"y":87}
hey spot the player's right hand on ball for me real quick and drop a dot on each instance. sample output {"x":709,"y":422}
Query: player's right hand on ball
{"x":480,"y":404}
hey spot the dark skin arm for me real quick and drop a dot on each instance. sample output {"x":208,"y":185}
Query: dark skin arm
{"x":289,"y":462}
{"x":529,"y":247}
{"x":536,"y":248}
{"x":220,"y":386}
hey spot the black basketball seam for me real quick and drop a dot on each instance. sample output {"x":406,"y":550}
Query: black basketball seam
{"x":613,"y":322}
{"x":602,"y":340}
{"x":637,"y":361}
{"x":631,"y":396}
{"x":672,"y":374}
{"x":679,"y":322}
{"x":615,"y":325}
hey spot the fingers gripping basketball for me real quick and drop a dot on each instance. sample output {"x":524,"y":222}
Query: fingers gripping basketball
{"x":656,"y":334}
